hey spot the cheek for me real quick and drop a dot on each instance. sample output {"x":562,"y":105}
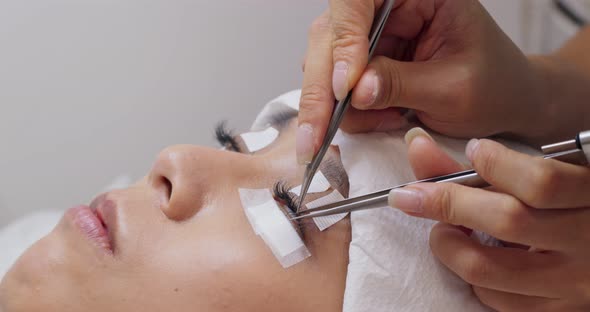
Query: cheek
{"x":215,"y":261}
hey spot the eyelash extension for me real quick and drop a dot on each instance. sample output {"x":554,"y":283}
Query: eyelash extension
{"x":288,"y":204}
{"x":225,"y":137}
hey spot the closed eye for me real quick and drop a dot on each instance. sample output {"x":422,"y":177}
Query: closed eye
{"x":226,"y":138}
{"x":278,"y":119}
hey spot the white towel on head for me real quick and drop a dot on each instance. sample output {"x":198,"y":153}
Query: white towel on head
{"x":391,"y":266}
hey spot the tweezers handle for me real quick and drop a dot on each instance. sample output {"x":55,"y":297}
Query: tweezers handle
{"x":369,"y":201}
{"x":467,"y":178}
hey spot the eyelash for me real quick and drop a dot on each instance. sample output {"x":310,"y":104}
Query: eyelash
{"x":288,"y":204}
{"x":281,"y":194}
{"x":225,"y":137}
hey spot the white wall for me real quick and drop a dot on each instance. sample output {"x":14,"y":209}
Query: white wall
{"x":90,"y":89}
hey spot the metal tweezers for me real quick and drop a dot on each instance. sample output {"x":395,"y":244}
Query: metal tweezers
{"x":341,"y":106}
{"x":576,"y":151}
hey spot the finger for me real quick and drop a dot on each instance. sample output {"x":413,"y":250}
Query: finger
{"x":357,"y":121}
{"x":417,"y":85}
{"x":317,"y":101}
{"x":351,"y":22}
{"x":426,"y":158}
{"x":503,"y":301}
{"x":505,"y":269}
{"x":540,"y":183}
{"x":498,"y":214}
{"x":409,"y":17}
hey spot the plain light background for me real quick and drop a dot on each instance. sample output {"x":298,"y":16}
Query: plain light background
{"x":92,"y":89}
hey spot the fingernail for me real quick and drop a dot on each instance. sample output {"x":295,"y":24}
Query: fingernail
{"x":416,"y":132}
{"x":407,"y":200}
{"x":367,"y":90}
{"x":340,"y":80}
{"x":304,"y":144}
{"x":375,"y":84}
{"x":391,"y":120}
{"x":471,"y":148}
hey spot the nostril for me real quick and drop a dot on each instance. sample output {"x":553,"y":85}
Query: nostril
{"x":164,"y":188}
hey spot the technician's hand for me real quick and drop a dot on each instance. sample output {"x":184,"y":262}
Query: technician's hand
{"x":446,"y":59}
{"x":535,"y":202}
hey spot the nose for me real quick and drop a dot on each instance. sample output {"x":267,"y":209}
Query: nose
{"x":185,"y":176}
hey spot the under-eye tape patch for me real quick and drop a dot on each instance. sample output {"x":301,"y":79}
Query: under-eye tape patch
{"x":271,"y":224}
{"x":319,"y":184}
{"x":256,"y":141}
{"x":327,"y":221}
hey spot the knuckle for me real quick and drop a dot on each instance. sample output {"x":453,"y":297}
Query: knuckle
{"x":393,"y":88}
{"x":462,"y":89}
{"x":485,"y":160}
{"x":442,"y":202}
{"x":514,"y":218}
{"x":313,"y":98}
{"x":475,"y":269}
{"x":319,"y":25}
{"x":542,"y":189}
{"x":346,"y":35}
{"x":346,"y":29}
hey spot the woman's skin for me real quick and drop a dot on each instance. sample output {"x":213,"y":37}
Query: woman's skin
{"x":181,"y":242}
{"x":449,"y":62}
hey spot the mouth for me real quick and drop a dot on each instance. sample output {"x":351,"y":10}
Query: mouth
{"x":97,"y":221}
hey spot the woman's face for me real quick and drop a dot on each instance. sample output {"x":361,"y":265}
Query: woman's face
{"x":178,"y":240}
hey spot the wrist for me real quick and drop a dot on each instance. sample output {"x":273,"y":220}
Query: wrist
{"x":564,"y":109}
{"x":550,"y":111}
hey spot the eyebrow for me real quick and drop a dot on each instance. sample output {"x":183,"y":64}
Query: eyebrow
{"x":334,"y":171}
{"x":282,"y":117}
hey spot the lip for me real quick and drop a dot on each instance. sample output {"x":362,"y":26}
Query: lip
{"x":106,"y":210}
{"x":89,"y":223}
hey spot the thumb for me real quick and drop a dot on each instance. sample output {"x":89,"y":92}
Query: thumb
{"x":416,"y":85}
{"x":351,"y":23}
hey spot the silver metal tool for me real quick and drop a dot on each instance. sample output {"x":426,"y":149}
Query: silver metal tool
{"x":341,"y":106}
{"x":576,"y":151}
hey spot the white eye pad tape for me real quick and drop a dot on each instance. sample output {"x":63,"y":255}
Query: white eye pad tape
{"x":327,"y":221}
{"x":256,"y":141}
{"x":319,"y":184}
{"x":271,"y":224}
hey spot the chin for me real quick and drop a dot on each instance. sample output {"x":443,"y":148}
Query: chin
{"x":25,"y":284}
{"x":41,"y":276}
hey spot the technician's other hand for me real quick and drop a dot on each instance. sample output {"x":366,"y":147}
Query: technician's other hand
{"x":534,"y":202}
{"x":446,"y":59}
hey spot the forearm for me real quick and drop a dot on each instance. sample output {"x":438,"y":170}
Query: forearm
{"x":565,"y":84}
